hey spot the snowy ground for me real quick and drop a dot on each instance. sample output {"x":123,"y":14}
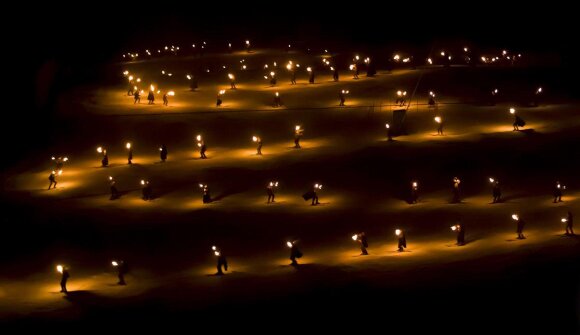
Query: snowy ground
{"x":167,"y":240}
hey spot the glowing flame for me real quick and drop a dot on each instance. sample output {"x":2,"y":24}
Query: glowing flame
{"x":351,"y":67}
{"x":387,"y":126}
{"x":114,"y":263}
{"x":515,"y":217}
{"x":429,"y":61}
{"x":309,"y":69}
{"x":110,"y":178}
{"x":231,"y":76}
{"x":297,"y":128}
{"x":396,"y":57}
{"x":125,"y":72}
{"x":491,"y":180}
{"x":128,"y":145}
{"x":254,"y":138}
{"x":222,"y":92}
{"x":277,"y":94}
{"x":171,"y":93}
{"x":217,"y":253}
{"x":59,"y":268}
{"x":289,"y":244}
{"x":272,"y":74}
{"x":142,"y":182}
{"x":398,"y":232}
{"x":99,"y":150}
{"x":454,"y":228}
{"x":151,"y":88}
{"x":130,"y":78}
{"x":198,"y":137}
{"x":564,"y":220}
{"x":354,"y":237}
{"x":438,"y":119}
{"x":512,"y":110}
{"x":188,"y":77}
{"x":414,"y":184}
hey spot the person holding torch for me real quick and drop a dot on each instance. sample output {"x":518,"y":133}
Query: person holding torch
{"x":313,"y":194}
{"x":311,"y":76}
{"x":277,"y":100}
{"x":520,"y":226}
{"x":122,"y":269}
{"x":414,"y":192}
{"x":558,"y":192}
{"x":206,"y":196}
{"x":456,"y":195}
{"x":402,"y":240}
{"x":258,"y":140}
{"x":114,"y":192}
{"x":163,"y":153}
{"x":219,"y":98}
{"x":270,"y":190}
{"x":52,"y":179}
{"x":298,"y":133}
{"x":129,"y":153}
{"x":222,"y":262}
{"x":63,"y":270}
{"x":137,"y":97}
{"x":439,"y":121}
{"x":294,"y":252}
{"x":518,"y":121}
{"x":105,"y":160}
{"x":335,"y":75}
{"x":496,"y":192}
{"x":362,"y":239}
{"x":342,"y":96}
{"x":460,"y":230}
{"x":232,"y":81}
{"x":202,"y":147}
{"x":146,"y":190}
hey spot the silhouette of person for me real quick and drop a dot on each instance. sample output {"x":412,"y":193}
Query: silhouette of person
{"x":294,"y":253}
{"x":206,"y":196}
{"x":114,"y":191}
{"x":341,"y":97}
{"x":52,"y":179}
{"x":130,"y":156}
{"x":193,"y":85}
{"x":389,"y":133}
{"x":570,"y":224}
{"x":63,"y":280}
{"x":202,"y":149}
{"x":293,"y":77}
{"x":298,"y":133}
{"x":456,"y":196}
{"x":105,"y":160}
{"x":311,"y":78}
{"x":440,"y":128}
{"x":335,"y":75}
{"x":151,"y":98}
{"x":147,"y":191}
{"x":402,"y":240}
{"x":557,"y":192}
{"x":277,"y":100}
{"x":270,"y":192}
{"x":221,"y":262}
{"x":414,"y":192}
{"x":431,"y":101}
{"x":165,"y":100}
{"x":163,"y":153}
{"x":137,"y":97}
{"x":460,"y":229}
{"x":313,"y":195}
{"x":218,"y":102}
{"x":259,"y":148}
{"x":371,"y":70}
{"x":362,"y":239}
{"x":130,"y":90}
{"x":122,"y":269}
{"x":518,"y":122}
{"x":520,"y":228}
{"x":496,"y":192}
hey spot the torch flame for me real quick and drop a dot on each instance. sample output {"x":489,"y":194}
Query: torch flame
{"x":289,"y":244}
{"x":515,"y":217}
{"x":59,"y":268}
{"x":512,"y":110}
{"x":114,"y":263}
{"x":438,"y":119}
{"x":128,"y":145}
{"x":99,"y":149}
{"x":354,"y":237}
{"x":398,"y":232}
